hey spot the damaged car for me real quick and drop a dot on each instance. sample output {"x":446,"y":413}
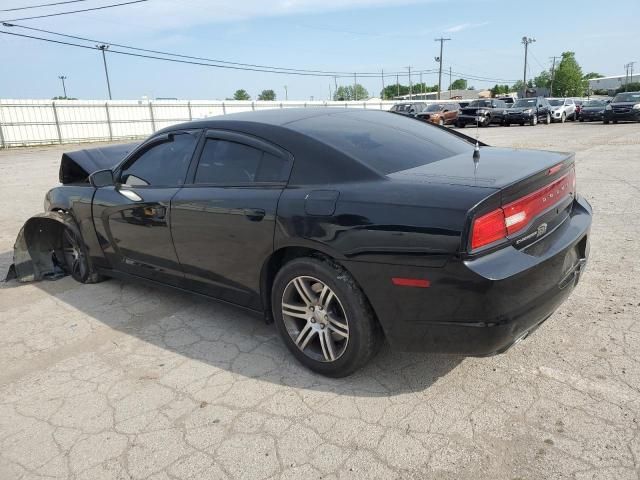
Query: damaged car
{"x":344,"y":227}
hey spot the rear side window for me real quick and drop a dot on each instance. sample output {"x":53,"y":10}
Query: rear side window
{"x":234,"y":163}
{"x":164,"y":164}
{"x":385,"y":143}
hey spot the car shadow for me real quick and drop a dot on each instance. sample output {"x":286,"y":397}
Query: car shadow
{"x":231,"y":339}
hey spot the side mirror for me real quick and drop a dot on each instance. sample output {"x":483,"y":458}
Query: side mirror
{"x":102,"y":178}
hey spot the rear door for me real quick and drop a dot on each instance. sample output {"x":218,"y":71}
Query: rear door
{"x":132,"y":218}
{"x":223,"y":220}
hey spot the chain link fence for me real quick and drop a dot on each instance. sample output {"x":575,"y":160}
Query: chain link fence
{"x":43,"y":122}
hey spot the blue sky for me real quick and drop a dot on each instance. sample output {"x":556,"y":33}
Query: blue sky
{"x":343,"y":35}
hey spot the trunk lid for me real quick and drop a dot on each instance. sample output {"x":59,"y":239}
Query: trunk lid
{"x":532,"y":188}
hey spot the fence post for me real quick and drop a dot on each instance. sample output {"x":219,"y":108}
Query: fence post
{"x":253,"y":106}
{"x":2,"y":142}
{"x":55,"y":116}
{"x":364,"y":105}
{"x":280,"y":104}
{"x":189,"y":108}
{"x":153,"y":120}
{"x":106,"y":107}
{"x":224,"y":109}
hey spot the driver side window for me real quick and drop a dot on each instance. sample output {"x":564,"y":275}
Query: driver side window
{"x":164,"y":164}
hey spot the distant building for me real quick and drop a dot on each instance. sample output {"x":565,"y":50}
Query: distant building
{"x":611,"y":84}
{"x":447,"y":94}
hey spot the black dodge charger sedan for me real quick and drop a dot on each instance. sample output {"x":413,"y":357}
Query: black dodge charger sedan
{"x":342,"y":226}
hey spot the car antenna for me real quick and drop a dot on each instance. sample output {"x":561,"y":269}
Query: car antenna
{"x":476,"y":148}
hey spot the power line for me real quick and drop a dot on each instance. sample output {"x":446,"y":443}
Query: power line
{"x":41,"y":5}
{"x":228,"y":65}
{"x":76,"y":11}
{"x":6,"y":24}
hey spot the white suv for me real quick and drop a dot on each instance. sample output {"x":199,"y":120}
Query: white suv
{"x":562,"y":109}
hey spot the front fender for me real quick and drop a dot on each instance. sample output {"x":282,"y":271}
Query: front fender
{"x":38,"y":243}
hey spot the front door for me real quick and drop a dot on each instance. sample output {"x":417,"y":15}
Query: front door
{"x":223,"y":222}
{"x":133,"y":218}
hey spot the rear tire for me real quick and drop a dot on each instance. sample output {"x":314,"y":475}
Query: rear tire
{"x":534,"y":121}
{"x":548,"y":119}
{"x":606,"y":122}
{"x":563,"y":118}
{"x":323,"y":317}
{"x":459,"y":124}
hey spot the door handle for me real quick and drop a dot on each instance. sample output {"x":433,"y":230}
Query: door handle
{"x":254,"y":214}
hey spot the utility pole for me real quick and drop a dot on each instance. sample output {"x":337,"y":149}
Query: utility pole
{"x":104,"y":47}
{"x":382,"y":78}
{"x":441,"y":40}
{"x":421,"y":86}
{"x":450,"y":82}
{"x":355,"y":84}
{"x":526,"y":41}
{"x":64,"y":88}
{"x":410,"y":85}
{"x":286,"y":93}
{"x":398,"y":84}
{"x":553,"y":73}
{"x":335,"y":84}
{"x":631,"y":64}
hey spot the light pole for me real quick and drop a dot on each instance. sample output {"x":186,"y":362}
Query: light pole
{"x":64,"y":88}
{"x":286,"y":93}
{"x":104,"y":47}
{"x":526,"y":41}
{"x":439,"y":59}
{"x":410,"y":84}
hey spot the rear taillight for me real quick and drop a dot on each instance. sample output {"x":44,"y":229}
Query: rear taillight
{"x":516,"y":216}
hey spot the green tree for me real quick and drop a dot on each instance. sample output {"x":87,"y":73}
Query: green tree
{"x":568,"y":80}
{"x":629,"y":87}
{"x":543,"y":80}
{"x":459,"y":84}
{"x":518,"y":86}
{"x":348,"y":93}
{"x":498,"y":90}
{"x":241,"y":94}
{"x":267,"y":95}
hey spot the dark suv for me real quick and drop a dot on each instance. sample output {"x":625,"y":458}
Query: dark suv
{"x":624,"y":106}
{"x":483,"y":112}
{"x":529,"y":110}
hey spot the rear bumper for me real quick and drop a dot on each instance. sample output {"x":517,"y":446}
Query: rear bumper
{"x":482,"y":306}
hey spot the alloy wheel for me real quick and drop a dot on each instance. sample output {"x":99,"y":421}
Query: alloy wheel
{"x":315,"y":319}
{"x":73,"y":255}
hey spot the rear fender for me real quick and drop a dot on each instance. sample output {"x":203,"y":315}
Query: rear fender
{"x":38,"y":245}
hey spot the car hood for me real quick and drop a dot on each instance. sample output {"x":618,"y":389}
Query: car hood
{"x":75,"y":167}
{"x":496,"y":168}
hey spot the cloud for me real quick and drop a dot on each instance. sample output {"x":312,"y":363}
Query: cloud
{"x":464,"y":26}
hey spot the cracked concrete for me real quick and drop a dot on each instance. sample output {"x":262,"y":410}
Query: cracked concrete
{"x":123,"y":381}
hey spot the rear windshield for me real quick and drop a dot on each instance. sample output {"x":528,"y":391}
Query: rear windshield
{"x":386,"y":143}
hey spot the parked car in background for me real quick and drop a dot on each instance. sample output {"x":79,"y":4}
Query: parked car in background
{"x":440,"y":113}
{"x":342,"y":226}
{"x":509,"y":101}
{"x":624,"y":106}
{"x":483,"y":112}
{"x":563,"y":109}
{"x":409,"y":109}
{"x":592,"y":110}
{"x":529,"y":110}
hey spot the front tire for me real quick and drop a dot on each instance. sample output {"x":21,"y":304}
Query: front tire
{"x":323,"y":317}
{"x":76,"y":260}
{"x":563,"y":118}
{"x":548,"y":119}
{"x":534,"y":121}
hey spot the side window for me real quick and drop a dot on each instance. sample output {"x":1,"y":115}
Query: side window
{"x":164,"y":164}
{"x":234,"y":163}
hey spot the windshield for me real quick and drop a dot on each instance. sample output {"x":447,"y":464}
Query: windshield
{"x":595,"y":103}
{"x":435,"y":107}
{"x":556,"y":102}
{"x":480,"y":103}
{"x":526,"y":102}
{"x":627,"y":97}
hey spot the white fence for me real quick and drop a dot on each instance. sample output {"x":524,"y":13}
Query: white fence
{"x":41,"y":122}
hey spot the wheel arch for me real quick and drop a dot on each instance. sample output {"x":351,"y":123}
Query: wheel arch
{"x":285,"y":254}
{"x":38,"y":240}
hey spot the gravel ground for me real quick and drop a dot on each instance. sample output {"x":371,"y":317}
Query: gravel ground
{"x":119,"y":381}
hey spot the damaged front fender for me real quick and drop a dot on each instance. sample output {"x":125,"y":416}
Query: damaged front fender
{"x":37,"y":252}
